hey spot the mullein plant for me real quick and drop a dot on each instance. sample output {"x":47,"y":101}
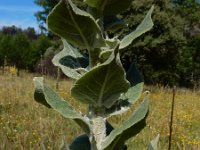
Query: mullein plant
{"x":100,"y":79}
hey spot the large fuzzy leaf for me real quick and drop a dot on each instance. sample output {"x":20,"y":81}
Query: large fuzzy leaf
{"x":39,"y":93}
{"x":112,"y":45}
{"x":76,"y":26}
{"x":128,"y":128}
{"x":109,"y":7}
{"x":48,"y":96}
{"x":103,"y":84}
{"x":71,"y":61}
{"x":133,"y":94}
{"x":120,"y":106}
{"x":144,"y":26}
{"x":136,"y":80}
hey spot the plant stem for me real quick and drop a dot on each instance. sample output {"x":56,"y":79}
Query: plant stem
{"x":93,"y":143}
{"x":99,"y":131}
{"x":171,"y":118}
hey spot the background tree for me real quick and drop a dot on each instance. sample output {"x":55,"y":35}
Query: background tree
{"x":20,"y":51}
{"x":22,"y":48}
{"x":39,"y":48}
{"x":31,"y":33}
{"x":11,"y":30}
{"x":47,"y":6}
{"x":189,"y":9}
{"x":158,"y":51}
{"x":190,"y":64}
{"x":163,"y":53}
{"x":6,"y":47}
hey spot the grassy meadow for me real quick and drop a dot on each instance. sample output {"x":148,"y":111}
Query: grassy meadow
{"x":27,"y":125}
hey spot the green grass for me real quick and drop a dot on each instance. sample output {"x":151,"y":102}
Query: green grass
{"x":27,"y":125}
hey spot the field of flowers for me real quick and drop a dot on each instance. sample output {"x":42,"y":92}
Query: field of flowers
{"x":27,"y":125}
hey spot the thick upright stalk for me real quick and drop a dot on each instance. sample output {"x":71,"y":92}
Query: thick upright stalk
{"x":99,"y":132}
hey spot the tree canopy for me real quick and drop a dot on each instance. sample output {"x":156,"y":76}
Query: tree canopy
{"x":22,"y":48}
{"x":164,"y":41}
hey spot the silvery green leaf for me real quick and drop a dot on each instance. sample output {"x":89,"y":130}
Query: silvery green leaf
{"x":128,"y":129}
{"x":75,"y":25}
{"x":59,"y":104}
{"x":94,"y":57}
{"x":71,"y":61}
{"x":153,"y":145}
{"x":112,"y":44}
{"x":133,"y":94}
{"x":104,"y":55}
{"x":144,"y":26}
{"x":109,"y":7}
{"x":136,"y":80}
{"x":39,"y":94}
{"x":103,"y":84}
{"x":120,"y":106}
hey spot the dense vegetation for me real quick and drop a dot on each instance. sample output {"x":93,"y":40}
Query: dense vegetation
{"x":169,"y":54}
{"x":22,"y":48}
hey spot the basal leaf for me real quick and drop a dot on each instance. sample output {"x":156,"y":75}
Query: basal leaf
{"x":39,"y":94}
{"x":71,"y":61}
{"x":75,"y":25}
{"x":144,"y":26}
{"x":59,"y":104}
{"x":128,"y":128}
{"x":109,"y":7}
{"x":102,"y":85}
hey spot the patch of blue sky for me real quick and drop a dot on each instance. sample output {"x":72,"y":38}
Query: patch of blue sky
{"x":19,"y":13}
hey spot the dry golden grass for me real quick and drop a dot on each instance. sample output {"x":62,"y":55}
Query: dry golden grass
{"x":186,"y":129}
{"x":26,"y":125}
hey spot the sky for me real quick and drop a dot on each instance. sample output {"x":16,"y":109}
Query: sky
{"x":19,"y":13}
